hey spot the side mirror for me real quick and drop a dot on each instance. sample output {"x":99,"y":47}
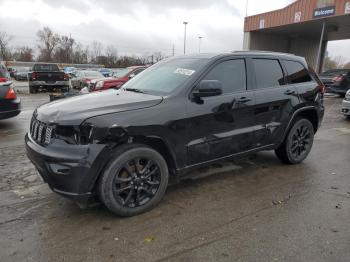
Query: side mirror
{"x":132,"y":75}
{"x":208,"y":88}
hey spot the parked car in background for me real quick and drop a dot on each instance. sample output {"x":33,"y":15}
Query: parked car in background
{"x":105,"y":72}
{"x":82,"y":78}
{"x":11,"y":71}
{"x":10,"y":104}
{"x":123,"y":146}
{"x":22,"y":73}
{"x":346,"y":105}
{"x":69,"y":70}
{"x":337,"y":81}
{"x":4,"y":73}
{"x":48,"y":77}
{"x":117,"y":80}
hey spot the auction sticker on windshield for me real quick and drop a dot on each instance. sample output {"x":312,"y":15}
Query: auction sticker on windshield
{"x":184,"y":71}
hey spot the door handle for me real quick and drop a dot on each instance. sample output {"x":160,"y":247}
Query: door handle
{"x":244,"y":99}
{"x":289,"y":92}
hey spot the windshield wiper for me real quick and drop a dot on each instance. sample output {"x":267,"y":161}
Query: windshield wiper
{"x":134,"y":90}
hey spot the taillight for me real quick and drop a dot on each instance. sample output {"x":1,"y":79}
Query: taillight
{"x":33,"y":76}
{"x":338,"y":78}
{"x":66,"y":77}
{"x":11,"y":94}
{"x":322,"y":88}
{"x":3,"y":79}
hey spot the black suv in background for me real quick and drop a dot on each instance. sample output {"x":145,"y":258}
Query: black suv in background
{"x":184,"y":112}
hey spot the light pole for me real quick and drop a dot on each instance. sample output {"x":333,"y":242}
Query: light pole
{"x":185,"y":23}
{"x":246,"y":8}
{"x":199,"y":43}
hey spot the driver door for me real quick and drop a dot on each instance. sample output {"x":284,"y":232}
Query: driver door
{"x":222,"y":125}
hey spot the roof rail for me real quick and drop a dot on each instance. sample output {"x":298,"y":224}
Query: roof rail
{"x":261,"y":52}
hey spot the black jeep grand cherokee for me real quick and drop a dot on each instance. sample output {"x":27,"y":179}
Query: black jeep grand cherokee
{"x":123,"y":145}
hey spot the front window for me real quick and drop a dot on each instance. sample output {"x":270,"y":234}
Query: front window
{"x":164,"y":77}
{"x":121,"y":72}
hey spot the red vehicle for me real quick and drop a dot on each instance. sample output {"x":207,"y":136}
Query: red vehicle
{"x":118,"y":78}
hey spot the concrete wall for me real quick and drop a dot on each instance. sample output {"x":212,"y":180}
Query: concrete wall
{"x":307,"y":48}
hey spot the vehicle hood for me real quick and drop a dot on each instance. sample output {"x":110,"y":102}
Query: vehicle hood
{"x":74,"y":110}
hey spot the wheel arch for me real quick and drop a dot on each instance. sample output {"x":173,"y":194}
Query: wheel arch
{"x":309,"y":113}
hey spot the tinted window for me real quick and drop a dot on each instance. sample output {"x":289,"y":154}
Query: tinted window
{"x":231,"y":74}
{"x":268,"y":73}
{"x":45,"y":67}
{"x":297,"y":73}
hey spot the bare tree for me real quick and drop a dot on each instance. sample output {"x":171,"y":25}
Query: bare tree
{"x":23,"y":54}
{"x":64,"y":50}
{"x":5,"y":39}
{"x":48,"y":41}
{"x":112,"y":56}
{"x":96,"y":50}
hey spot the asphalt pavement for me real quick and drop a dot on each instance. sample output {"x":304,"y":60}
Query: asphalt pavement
{"x":258,"y":210}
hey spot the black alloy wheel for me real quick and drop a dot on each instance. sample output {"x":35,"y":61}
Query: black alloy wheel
{"x":137,"y":182}
{"x":134,"y":181}
{"x":298,"y":143}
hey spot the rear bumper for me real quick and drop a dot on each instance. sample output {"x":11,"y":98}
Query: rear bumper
{"x":44,"y":83}
{"x":10,"y":108}
{"x":340,"y":90}
{"x":346,"y":108}
{"x":69,"y":170}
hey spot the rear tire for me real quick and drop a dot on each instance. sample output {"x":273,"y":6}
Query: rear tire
{"x":33,"y":90}
{"x":298,"y":142}
{"x":134,"y":181}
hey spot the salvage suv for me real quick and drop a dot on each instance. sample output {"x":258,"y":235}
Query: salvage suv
{"x":122,"y":146}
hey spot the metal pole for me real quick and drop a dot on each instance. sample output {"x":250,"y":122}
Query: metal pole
{"x":319,"y":53}
{"x":185,"y":23}
{"x":246,"y":8}
{"x":199,"y":43}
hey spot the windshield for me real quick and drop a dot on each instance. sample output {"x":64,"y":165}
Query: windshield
{"x":93,"y":74}
{"x":166,"y":76}
{"x":121,"y":72}
{"x":46,"y":67}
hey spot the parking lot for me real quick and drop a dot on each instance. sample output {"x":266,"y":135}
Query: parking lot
{"x":259,"y":210}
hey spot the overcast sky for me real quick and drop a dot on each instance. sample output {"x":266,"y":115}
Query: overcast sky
{"x":140,"y":26}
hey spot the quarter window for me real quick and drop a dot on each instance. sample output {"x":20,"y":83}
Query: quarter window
{"x":297,"y":73}
{"x":268,"y":73}
{"x":231,"y":74}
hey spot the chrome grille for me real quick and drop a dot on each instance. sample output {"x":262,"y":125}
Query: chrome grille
{"x":40,"y":132}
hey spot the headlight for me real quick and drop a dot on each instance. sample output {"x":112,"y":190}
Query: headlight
{"x":99,"y":84}
{"x":347,"y":96}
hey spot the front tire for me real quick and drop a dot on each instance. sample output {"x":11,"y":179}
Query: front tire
{"x":298,"y":143}
{"x":134,"y":181}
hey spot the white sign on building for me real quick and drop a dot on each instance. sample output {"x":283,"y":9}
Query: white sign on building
{"x":262,"y":23}
{"x":297,"y":17}
{"x":347,"y":8}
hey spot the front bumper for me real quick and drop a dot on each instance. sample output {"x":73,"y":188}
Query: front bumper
{"x":44,"y":83}
{"x":69,"y":170}
{"x":346,"y":107}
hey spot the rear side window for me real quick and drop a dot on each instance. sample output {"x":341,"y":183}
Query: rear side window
{"x":231,"y":74}
{"x":268,"y":73}
{"x":297,"y":73}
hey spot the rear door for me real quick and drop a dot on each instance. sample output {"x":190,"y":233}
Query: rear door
{"x":222,"y":125}
{"x":275,"y":100}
